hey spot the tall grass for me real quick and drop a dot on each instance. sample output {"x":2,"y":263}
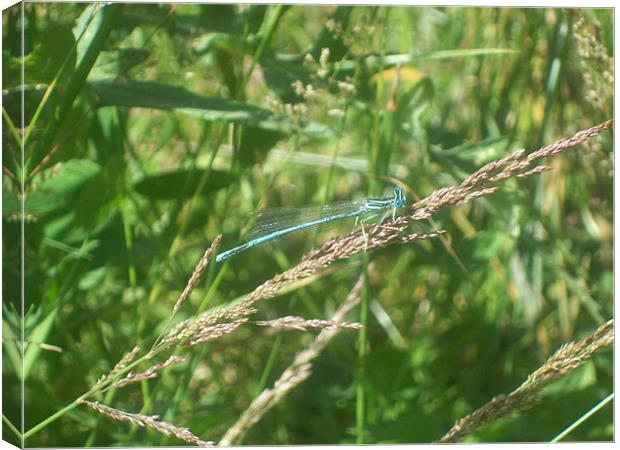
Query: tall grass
{"x":153,"y":132}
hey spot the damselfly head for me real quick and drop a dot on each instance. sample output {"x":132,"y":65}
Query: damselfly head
{"x":399,"y":197}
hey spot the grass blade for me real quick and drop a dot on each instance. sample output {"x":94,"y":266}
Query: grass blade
{"x":161,"y":96}
{"x":96,"y":34}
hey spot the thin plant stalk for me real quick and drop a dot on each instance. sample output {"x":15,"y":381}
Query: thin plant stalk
{"x":360,"y":389}
{"x":583,"y":418}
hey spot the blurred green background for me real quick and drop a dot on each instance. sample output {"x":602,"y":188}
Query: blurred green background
{"x":152,"y":128}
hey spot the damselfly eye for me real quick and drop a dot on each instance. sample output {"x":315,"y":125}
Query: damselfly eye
{"x":399,"y":197}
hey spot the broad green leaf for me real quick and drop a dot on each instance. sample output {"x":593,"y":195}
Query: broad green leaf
{"x":55,"y":192}
{"x":61,"y":189}
{"x":92,"y":208}
{"x":224,"y":52}
{"x":117,"y":62}
{"x":162,"y":96}
{"x":256,"y":143}
{"x":180,"y":183}
{"x":45,"y":60}
{"x":95,"y":202}
{"x":221,"y":17}
{"x":92,"y":279}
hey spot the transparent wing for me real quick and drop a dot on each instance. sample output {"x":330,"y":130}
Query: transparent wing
{"x":270,"y":220}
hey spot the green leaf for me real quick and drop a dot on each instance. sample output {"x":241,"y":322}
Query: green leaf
{"x":256,"y":143}
{"x":39,"y":334}
{"x":466,"y":158}
{"x":11,"y":337}
{"x":181,"y":183}
{"x":92,"y":279}
{"x":61,"y":190}
{"x":162,"y":96}
{"x":43,"y":63}
{"x":118,"y":62}
{"x":93,"y":43}
{"x":85,"y":28}
{"x":95,"y":202}
{"x":70,"y":201}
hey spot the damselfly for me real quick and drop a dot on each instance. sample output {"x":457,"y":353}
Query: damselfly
{"x":273,"y":224}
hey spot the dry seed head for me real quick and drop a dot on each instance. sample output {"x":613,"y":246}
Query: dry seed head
{"x":300,"y":109}
{"x":197,"y":274}
{"x":298,"y":87}
{"x":534,"y":171}
{"x":323,"y":59}
{"x":334,"y":26}
{"x":213,"y":332}
{"x":149,"y":421}
{"x":127,"y":358}
{"x":151,"y":372}
{"x":309,"y":60}
{"x":310,"y":92}
{"x":336,"y":113}
{"x":301,"y":324}
{"x":191,"y":328}
{"x":417,"y":236}
{"x":274,"y":104}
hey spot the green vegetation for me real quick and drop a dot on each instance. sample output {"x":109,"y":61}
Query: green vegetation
{"x":151,"y":129}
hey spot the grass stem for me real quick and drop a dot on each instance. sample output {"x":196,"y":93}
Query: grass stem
{"x":583,"y":418}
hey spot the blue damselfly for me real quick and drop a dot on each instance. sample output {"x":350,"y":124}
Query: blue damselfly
{"x":273,"y":224}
